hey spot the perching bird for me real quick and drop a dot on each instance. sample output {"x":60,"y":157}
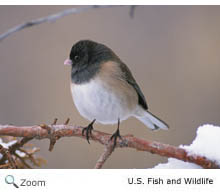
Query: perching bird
{"x":104,"y":89}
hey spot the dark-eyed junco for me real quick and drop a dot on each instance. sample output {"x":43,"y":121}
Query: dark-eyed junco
{"x":104,"y":90}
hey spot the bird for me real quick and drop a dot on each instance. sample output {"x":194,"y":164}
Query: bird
{"x":104,"y":90}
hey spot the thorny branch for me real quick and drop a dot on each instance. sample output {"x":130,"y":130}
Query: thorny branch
{"x":16,"y":156}
{"x":7,"y":155}
{"x":55,"y":132}
{"x":54,"y":17}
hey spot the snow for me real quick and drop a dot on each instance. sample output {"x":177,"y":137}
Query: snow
{"x":206,"y":144}
{"x":177,"y":164}
{"x":20,"y":153}
{"x":6,"y":145}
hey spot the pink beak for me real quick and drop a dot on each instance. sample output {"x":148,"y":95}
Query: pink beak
{"x":68,"y":62}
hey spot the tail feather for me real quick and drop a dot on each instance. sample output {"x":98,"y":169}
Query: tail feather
{"x":152,"y":122}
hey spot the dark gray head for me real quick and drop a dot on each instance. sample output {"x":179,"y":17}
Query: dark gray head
{"x":85,"y":58}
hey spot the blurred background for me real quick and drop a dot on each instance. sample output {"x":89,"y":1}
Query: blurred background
{"x":173,"y":52}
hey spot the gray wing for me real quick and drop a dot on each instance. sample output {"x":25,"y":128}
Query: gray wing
{"x":130,"y":79}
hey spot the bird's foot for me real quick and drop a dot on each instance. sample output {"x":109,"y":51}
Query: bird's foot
{"x":115,"y":136}
{"x":88,"y":130}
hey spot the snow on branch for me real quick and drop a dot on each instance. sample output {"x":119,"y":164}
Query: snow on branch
{"x":205,"y":144}
{"x":54,"y":132}
{"x":16,"y":154}
{"x":54,"y":17}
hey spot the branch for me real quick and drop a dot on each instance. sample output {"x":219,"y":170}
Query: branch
{"x":128,"y":141}
{"x":54,"y":17}
{"x":105,"y":155}
{"x":7,"y":155}
{"x":132,"y":10}
{"x":14,"y":156}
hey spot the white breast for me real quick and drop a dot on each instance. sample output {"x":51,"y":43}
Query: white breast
{"x":104,"y":102}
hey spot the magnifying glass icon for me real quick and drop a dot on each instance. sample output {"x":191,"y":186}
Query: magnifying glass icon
{"x":9,"y":179}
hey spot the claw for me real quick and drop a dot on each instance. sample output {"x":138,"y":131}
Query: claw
{"x":88,"y":130}
{"x":115,"y":136}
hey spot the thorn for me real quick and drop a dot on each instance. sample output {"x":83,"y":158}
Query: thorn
{"x":44,"y":126}
{"x":52,"y":137}
{"x":52,"y":143}
{"x":55,"y":121}
{"x":67,"y":121}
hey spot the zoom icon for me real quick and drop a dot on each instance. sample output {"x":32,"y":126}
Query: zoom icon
{"x":9,"y":179}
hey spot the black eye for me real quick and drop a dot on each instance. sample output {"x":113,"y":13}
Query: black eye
{"x":76,"y":58}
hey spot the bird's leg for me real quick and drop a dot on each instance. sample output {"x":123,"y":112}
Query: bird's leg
{"x":88,"y":130}
{"x":116,"y":135}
